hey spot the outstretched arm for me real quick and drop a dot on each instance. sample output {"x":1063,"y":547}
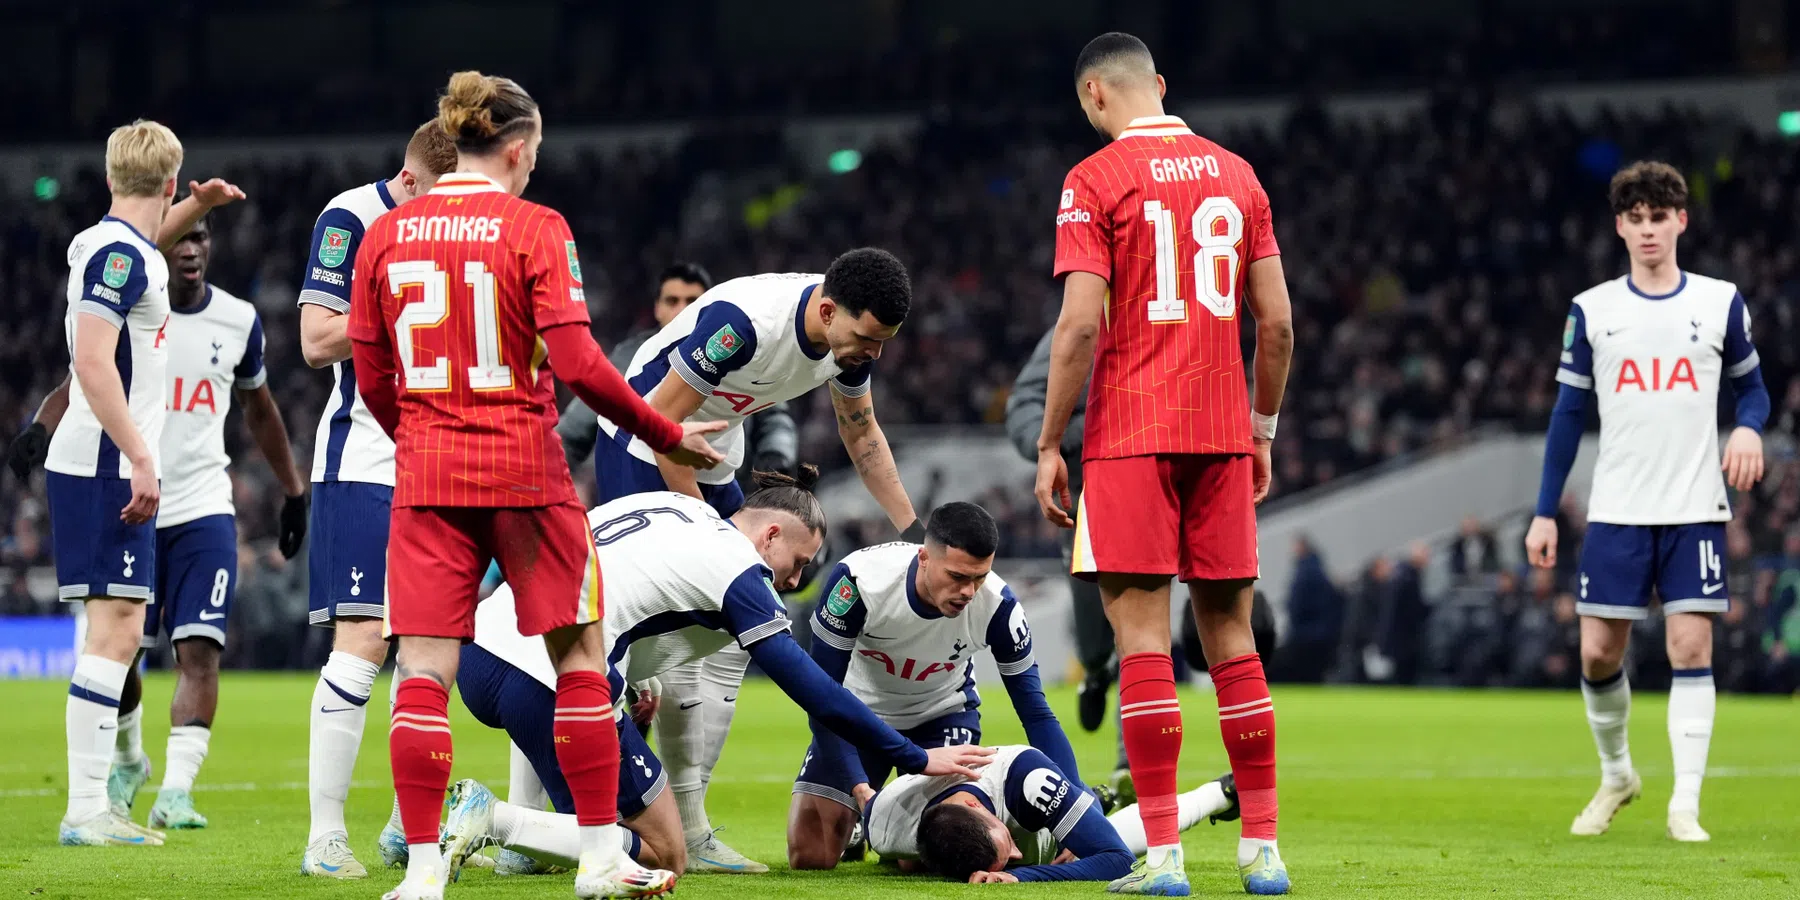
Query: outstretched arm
{"x":870,"y":453}
{"x":201,"y":197}
{"x":837,"y":622}
{"x":1010,"y":637}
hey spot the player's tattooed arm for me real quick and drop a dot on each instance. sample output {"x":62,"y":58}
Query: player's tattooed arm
{"x":872,"y":457}
{"x":677,"y":400}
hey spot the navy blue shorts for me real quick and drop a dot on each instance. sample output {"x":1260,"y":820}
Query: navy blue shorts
{"x":196,"y":577}
{"x":832,"y":780}
{"x":619,"y":474}
{"x":97,"y":555}
{"x":500,"y":695}
{"x":347,"y":563}
{"x":1621,"y":563}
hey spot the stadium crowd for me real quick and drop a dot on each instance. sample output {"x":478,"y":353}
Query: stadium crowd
{"x":1431,"y":262}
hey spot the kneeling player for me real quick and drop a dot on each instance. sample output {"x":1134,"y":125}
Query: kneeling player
{"x":900,"y":626}
{"x":1023,"y":810}
{"x":681,"y":582}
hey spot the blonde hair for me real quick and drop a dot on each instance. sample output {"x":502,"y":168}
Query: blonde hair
{"x":481,"y":112}
{"x":141,"y":158}
{"x":432,"y":148}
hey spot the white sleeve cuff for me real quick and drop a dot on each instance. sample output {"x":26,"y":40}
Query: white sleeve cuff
{"x":679,"y":364}
{"x":101,"y":311}
{"x":1744,"y":366}
{"x":329,"y":301}
{"x":1585,"y":382}
{"x":833,"y":639}
{"x":253,"y":382}
{"x":1017,"y":667}
{"x":861,"y":390}
{"x":765,"y":630}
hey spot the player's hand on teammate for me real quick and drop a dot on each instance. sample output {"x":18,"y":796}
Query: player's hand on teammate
{"x":962,"y":759}
{"x":993,"y":878}
{"x":1053,"y":488}
{"x":293,"y":526}
{"x":1743,"y":464}
{"x":863,"y":794}
{"x":215,"y":192}
{"x":28,"y":450}
{"x":146,"y":493}
{"x":1264,"y":471}
{"x":646,"y":698}
{"x":1540,"y":542}
{"x":695,"y":451}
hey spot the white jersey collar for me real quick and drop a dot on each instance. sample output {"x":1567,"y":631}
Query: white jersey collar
{"x":1155,"y":126}
{"x":466,"y":183}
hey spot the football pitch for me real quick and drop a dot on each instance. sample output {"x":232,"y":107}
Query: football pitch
{"x":1403,"y":793}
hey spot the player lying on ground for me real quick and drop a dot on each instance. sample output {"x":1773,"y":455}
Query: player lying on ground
{"x":1654,"y":346}
{"x":743,"y":347}
{"x":1022,"y":810}
{"x":900,"y":625}
{"x":1162,"y":238}
{"x":681,"y":582}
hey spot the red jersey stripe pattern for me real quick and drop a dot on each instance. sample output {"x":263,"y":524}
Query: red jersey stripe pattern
{"x":460,"y":283}
{"x":1172,"y":221}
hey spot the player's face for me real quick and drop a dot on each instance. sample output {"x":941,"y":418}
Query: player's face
{"x":951,"y":577}
{"x":1650,"y":234}
{"x":786,"y":546}
{"x":1006,"y":851}
{"x":855,"y":340}
{"x":674,"y":296}
{"x":188,"y":258}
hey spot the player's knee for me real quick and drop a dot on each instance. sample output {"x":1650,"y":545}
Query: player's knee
{"x":113,"y":632}
{"x":360,"y":637}
{"x":662,"y":851}
{"x":812,"y":855}
{"x":197,"y":658}
{"x":1689,"y":642}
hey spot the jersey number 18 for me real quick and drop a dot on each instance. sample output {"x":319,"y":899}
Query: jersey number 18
{"x":1218,"y":227}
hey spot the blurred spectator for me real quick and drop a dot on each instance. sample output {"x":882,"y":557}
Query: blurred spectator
{"x":1315,"y":611}
{"x":1474,"y":552}
{"x":1399,"y":631}
{"x":1546,"y":635}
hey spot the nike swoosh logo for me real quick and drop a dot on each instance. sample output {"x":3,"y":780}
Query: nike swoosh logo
{"x":692,"y":705}
{"x":875,"y":637}
{"x":327,"y":867}
{"x":208,"y":617}
{"x":108,"y":726}
{"x":1712,"y":588}
{"x":731,"y":699}
{"x":327,"y":709}
{"x":1612,"y":331}
{"x":713,"y":862}
{"x":754,"y":381}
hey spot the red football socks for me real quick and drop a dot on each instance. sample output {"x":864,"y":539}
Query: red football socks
{"x":1150,"y":718}
{"x":1247,"y":723}
{"x":587,"y":746}
{"x":419,"y":752}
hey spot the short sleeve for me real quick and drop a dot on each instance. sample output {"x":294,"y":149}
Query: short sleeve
{"x":1740,"y":352}
{"x":1262,"y":225}
{"x":1083,"y":238}
{"x":113,"y":282}
{"x":1576,"y":368}
{"x":723,"y":340}
{"x":840,"y":615}
{"x":553,"y":269}
{"x":250,"y":373}
{"x":335,"y":239}
{"x":1009,"y":636}
{"x":1041,"y":795}
{"x":367,"y":323}
{"x":855,"y":382}
{"x":753,"y":610}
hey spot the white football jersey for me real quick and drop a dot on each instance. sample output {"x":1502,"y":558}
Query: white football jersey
{"x":743,"y":345}
{"x":1038,"y":803}
{"x":909,"y":663}
{"x":350,"y":445}
{"x":1656,"y":363}
{"x":117,"y":275}
{"x":214,"y":348}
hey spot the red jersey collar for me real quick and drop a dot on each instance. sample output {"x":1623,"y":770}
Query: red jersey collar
{"x":1154,"y":126}
{"x":465,"y":183}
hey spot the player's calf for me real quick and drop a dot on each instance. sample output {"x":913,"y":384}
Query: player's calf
{"x":818,"y":830}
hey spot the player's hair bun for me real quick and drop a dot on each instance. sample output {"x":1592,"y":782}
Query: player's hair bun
{"x":480,"y":112}
{"x":806,"y":475}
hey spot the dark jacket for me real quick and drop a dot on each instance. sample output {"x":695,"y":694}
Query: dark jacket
{"x":1025,"y":411}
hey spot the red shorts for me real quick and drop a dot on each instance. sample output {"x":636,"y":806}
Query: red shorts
{"x":1189,"y":515}
{"x":437,"y":556}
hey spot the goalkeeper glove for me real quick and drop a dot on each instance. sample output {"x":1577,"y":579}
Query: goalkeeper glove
{"x":293,"y":526}
{"x":28,"y":450}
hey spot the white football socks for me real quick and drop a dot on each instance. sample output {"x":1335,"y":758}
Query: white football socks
{"x":1692,"y":702}
{"x":187,"y":750}
{"x":721,"y":677}
{"x":545,"y":836}
{"x":1609,"y":717}
{"x":339,"y":710}
{"x":680,"y":741}
{"x":128,"y":746}
{"x":523,"y":787}
{"x":90,"y":720}
{"x":1205,"y":800}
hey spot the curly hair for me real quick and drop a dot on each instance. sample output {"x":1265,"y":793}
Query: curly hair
{"x":870,"y":280}
{"x":954,"y":842}
{"x":1656,"y":185}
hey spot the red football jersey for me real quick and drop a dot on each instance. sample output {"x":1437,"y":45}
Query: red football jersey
{"x":1172,"y":221}
{"x":459,"y":283}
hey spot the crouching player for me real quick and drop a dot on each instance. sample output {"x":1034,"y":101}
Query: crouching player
{"x":680,"y":582}
{"x":1023,"y":811}
{"x":900,"y":626}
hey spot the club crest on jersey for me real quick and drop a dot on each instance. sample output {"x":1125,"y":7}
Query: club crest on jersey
{"x":574,"y":261}
{"x":117,"y":271}
{"x":843,"y":596}
{"x":334,"y":247}
{"x":723,"y":344}
{"x":1569,"y":332}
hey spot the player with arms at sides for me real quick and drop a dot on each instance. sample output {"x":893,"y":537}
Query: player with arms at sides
{"x":353,"y":488}
{"x":103,"y":463}
{"x":1175,"y":457}
{"x":1654,"y":346}
{"x":1022,"y":810}
{"x":461,"y":308}
{"x":745,"y":346}
{"x":682,"y":581}
{"x":215,"y":345}
{"x":900,"y":626}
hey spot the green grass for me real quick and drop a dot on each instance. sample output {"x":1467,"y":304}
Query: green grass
{"x":1384,"y":793}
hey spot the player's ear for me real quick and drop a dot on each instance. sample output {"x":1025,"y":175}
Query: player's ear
{"x":827,"y":309}
{"x":1680,"y":221}
{"x":1162,"y":87}
{"x":409,"y":183}
{"x":168,"y":188}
